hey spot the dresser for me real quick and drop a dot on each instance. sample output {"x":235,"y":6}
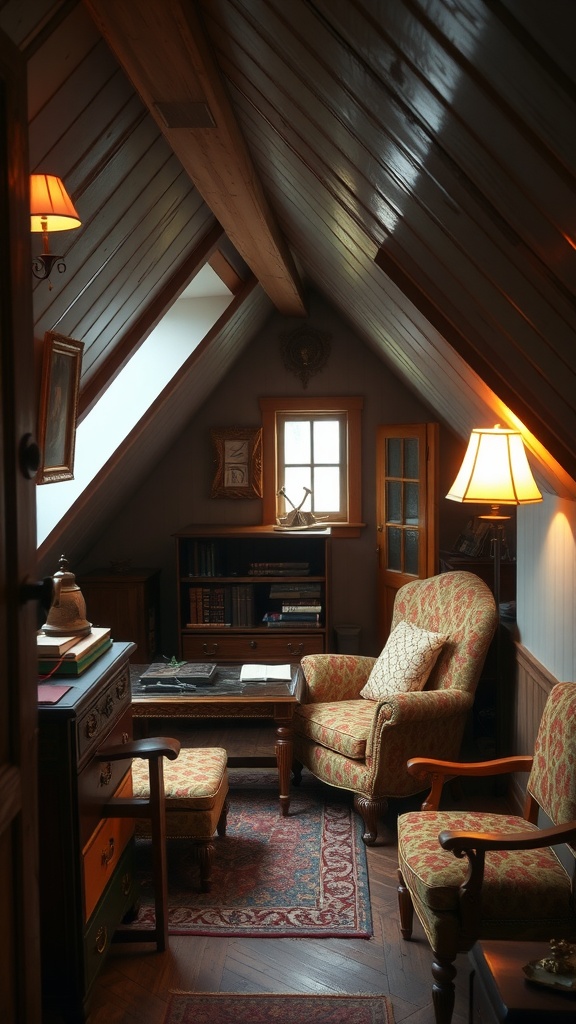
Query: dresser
{"x":86,"y":882}
{"x":128,"y":602}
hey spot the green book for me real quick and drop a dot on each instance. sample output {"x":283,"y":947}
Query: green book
{"x":72,"y":668}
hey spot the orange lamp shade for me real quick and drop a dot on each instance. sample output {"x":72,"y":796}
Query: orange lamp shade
{"x":51,"y":208}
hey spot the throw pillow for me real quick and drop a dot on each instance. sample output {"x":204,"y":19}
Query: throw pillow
{"x":405,"y":663}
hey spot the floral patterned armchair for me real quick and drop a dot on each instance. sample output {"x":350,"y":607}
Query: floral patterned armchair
{"x":477,"y":875}
{"x":363,"y":745}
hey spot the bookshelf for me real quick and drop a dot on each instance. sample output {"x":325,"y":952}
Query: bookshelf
{"x":252,"y":593}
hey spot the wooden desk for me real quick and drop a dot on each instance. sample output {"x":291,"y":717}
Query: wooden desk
{"x":227,"y":697}
{"x":501,"y":992}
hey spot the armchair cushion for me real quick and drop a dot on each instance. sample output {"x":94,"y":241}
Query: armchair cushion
{"x":518,"y":884}
{"x":341,"y":727}
{"x":405,"y":663}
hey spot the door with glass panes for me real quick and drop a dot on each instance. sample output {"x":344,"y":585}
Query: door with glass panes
{"x":406,"y":511}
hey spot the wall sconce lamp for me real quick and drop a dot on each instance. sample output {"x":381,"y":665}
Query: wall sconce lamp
{"x":51,"y":209}
{"x":495,"y":471}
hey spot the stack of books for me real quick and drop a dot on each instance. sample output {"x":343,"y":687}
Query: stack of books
{"x":71,"y":655}
{"x":300,"y":605}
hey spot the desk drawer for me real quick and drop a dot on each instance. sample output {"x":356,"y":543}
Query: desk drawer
{"x":98,"y":780}
{"x":103,"y":851}
{"x":109,"y":705}
{"x":242,"y":647}
{"x":118,"y":899}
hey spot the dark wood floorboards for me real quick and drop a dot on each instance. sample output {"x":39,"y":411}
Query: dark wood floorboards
{"x":134,"y":984}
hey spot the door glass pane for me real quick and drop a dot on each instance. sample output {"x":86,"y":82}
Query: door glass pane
{"x":326,"y":489}
{"x":394,"y":542}
{"x":411,"y":457}
{"x":393,"y":501}
{"x":326,"y":441}
{"x":411,"y":504}
{"x":394,"y":456}
{"x":411,"y":552}
{"x":297,"y":441}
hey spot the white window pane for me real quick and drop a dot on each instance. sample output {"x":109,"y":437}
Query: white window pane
{"x":327,"y":441}
{"x":296,"y":479}
{"x":297,"y":441}
{"x":327,"y":489}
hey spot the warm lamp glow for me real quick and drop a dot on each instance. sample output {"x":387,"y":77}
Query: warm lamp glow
{"x":51,"y":209}
{"x":495,"y":470}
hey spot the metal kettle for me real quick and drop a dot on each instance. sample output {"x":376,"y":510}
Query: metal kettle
{"x":67,"y":614}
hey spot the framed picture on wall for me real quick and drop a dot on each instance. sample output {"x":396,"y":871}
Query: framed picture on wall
{"x":238,"y":458}
{"x":60,"y":387}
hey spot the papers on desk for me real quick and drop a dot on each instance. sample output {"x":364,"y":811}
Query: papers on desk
{"x":265,"y":673}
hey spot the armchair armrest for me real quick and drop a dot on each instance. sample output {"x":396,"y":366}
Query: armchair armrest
{"x":150,"y":747}
{"x":460,"y":842}
{"x":333,"y":677}
{"x":444,"y":771}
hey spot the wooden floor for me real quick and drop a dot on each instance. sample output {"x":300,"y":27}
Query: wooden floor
{"x":135,"y":982}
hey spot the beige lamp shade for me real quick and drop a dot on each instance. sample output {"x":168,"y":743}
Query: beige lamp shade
{"x":51,"y":208}
{"x":495,"y":470}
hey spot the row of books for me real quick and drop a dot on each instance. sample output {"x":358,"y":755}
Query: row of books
{"x":229,"y":605}
{"x":279,"y":569}
{"x":292,"y":620}
{"x":70,"y":655}
{"x":203,"y":559}
{"x":290,"y":592}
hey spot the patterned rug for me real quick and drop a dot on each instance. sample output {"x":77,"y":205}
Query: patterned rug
{"x":239,"y":1008}
{"x":304,"y":875}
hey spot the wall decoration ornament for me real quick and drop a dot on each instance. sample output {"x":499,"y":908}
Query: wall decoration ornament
{"x":60,"y":387}
{"x":305,"y":352}
{"x":238,"y":458}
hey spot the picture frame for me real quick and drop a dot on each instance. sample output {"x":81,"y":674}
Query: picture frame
{"x":238,"y":458}
{"x":58,"y":411}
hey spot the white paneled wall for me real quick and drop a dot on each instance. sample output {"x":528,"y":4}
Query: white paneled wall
{"x":546,"y":575}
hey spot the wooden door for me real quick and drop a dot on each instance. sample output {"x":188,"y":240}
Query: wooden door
{"x":19,"y":914}
{"x":406,"y":510}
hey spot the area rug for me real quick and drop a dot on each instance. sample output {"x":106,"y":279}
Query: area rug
{"x":304,"y":875}
{"x":240,"y":1008}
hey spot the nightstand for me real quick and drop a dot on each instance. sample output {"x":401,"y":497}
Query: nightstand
{"x":501,"y":992}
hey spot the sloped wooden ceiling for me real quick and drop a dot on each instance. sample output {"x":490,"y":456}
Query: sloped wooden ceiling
{"x":412,"y":160}
{"x":431,"y":140}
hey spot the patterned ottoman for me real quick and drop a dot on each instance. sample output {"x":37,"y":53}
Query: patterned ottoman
{"x":196,"y":790}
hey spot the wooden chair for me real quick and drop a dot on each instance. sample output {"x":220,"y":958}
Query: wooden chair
{"x":363,"y":745}
{"x":153,"y":750}
{"x":474,"y":875}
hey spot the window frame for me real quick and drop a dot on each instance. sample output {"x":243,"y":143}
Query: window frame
{"x":351,"y":407}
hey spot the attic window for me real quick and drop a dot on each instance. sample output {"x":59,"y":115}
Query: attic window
{"x":313,"y":443}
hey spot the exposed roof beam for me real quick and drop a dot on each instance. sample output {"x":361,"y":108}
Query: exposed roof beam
{"x":162,"y":46}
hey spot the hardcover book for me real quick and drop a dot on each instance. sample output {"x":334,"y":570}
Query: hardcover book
{"x":187,"y":672}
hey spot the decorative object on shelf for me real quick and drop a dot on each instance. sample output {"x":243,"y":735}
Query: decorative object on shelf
{"x":51,"y":209}
{"x":67,"y":614}
{"x":495,"y":471}
{"x":305,"y":352}
{"x":238,"y":457}
{"x":297,"y":519}
{"x":60,"y":387}
{"x":558,"y":969}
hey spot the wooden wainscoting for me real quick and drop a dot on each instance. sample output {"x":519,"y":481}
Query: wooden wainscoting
{"x":531,"y":684}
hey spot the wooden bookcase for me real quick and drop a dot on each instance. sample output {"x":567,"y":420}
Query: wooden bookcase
{"x":229,"y":578}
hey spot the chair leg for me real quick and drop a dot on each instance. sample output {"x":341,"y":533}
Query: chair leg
{"x":443,"y":972}
{"x":205,"y":858}
{"x":370,"y":810}
{"x":223,"y":819}
{"x":405,"y":908}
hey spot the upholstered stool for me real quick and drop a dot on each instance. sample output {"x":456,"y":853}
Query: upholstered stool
{"x":196,"y":792}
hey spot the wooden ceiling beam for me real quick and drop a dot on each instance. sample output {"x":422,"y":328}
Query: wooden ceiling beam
{"x":162,"y":47}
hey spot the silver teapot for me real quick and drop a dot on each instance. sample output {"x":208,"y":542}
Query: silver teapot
{"x":67,"y":614}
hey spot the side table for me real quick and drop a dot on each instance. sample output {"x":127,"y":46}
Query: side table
{"x":500,"y":991}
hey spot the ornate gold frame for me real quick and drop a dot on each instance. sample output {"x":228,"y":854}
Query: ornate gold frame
{"x":238,"y":458}
{"x":60,"y":388}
